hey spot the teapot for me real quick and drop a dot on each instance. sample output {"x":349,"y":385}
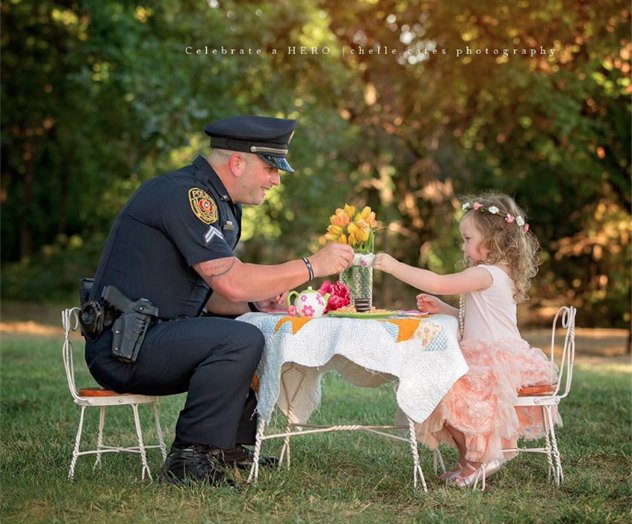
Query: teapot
{"x":309,"y":303}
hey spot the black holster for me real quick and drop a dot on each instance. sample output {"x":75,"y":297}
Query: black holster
{"x":128,"y":319}
{"x":131,"y":326}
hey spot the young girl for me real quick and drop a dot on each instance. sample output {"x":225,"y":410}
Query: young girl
{"x":478,"y":416}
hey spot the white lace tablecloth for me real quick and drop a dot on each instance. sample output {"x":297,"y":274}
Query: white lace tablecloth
{"x":424,"y":356}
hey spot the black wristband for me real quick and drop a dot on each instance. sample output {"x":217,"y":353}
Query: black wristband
{"x":309,"y":268}
{"x":253,"y":308}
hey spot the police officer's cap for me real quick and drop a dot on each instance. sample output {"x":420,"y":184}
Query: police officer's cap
{"x":269,"y":138}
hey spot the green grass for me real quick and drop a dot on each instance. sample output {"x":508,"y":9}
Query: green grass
{"x":346,"y":477}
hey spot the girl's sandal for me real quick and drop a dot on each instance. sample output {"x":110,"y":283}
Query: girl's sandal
{"x":482,"y":472}
{"x":449,"y":476}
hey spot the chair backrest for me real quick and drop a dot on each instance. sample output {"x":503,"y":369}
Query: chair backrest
{"x":70,"y":322}
{"x":566,"y":314}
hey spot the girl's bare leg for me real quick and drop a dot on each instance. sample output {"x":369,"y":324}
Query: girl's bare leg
{"x":465,"y":466}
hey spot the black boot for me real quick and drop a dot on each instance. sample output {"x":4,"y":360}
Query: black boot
{"x":192,"y":462}
{"x":241,"y":457}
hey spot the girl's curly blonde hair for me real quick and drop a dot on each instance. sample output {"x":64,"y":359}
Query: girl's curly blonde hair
{"x":507,"y":240}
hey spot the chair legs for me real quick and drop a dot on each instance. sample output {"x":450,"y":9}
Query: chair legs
{"x":141,"y":448}
{"x":161,"y":439}
{"x":97,"y":462}
{"x":550,"y":448}
{"x":547,"y":447}
{"x":437,"y":460}
{"x":559,"y":475}
{"x":75,"y":451}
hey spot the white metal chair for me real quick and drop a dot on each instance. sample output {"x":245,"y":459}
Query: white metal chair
{"x":102,"y":398}
{"x":547,"y":397}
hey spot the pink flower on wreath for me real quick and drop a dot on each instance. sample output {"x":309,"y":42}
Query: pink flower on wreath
{"x":477,"y":205}
{"x":510,"y":218}
{"x":525,"y":229}
{"x":338,"y":295}
{"x":292,"y":311}
{"x":308,"y":311}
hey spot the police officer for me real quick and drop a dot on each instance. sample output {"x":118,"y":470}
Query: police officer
{"x":173,"y":244}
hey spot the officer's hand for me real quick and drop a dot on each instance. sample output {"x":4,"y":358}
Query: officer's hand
{"x":272,"y":303}
{"x":332,"y":259}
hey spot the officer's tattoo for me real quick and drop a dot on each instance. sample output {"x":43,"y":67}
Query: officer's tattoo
{"x":216,"y":268}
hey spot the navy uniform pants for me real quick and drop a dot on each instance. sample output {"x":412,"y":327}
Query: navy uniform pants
{"x":214,"y":359}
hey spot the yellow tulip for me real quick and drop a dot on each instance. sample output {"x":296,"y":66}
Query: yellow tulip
{"x":352,"y":228}
{"x":336,"y":230}
{"x":365,"y":212}
{"x":331,"y":237}
{"x":371,"y":220}
{"x":349,"y":210}
{"x":362,"y":235}
{"x":342,"y":239}
{"x":352,"y":240}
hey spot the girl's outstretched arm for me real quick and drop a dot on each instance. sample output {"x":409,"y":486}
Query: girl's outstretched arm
{"x":472,"y":279}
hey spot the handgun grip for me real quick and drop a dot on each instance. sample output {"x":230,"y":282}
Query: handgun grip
{"x":115,"y":298}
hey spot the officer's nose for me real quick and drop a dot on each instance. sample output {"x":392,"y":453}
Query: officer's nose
{"x":275,"y":178}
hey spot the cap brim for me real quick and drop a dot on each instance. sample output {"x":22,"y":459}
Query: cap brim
{"x":277,"y":161}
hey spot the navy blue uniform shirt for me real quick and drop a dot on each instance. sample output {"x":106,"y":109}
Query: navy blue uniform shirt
{"x":172,"y":222}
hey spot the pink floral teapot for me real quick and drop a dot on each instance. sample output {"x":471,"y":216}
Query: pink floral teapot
{"x":308,"y":304}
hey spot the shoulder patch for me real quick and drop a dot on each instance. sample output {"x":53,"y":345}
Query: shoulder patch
{"x":203,"y":206}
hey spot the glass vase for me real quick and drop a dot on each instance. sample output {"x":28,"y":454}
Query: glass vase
{"x":359,"y":278}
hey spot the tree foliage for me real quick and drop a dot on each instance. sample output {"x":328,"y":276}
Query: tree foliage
{"x":100,"y":96}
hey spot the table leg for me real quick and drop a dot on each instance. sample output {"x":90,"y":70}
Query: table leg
{"x":285,"y":450}
{"x":254,"y":470}
{"x":413,"y":447}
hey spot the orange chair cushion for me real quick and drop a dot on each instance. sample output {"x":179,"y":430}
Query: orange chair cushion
{"x":100,"y":392}
{"x":538,"y":390}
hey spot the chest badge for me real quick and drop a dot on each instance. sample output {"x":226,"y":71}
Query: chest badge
{"x":203,"y":205}
{"x":228,"y":226}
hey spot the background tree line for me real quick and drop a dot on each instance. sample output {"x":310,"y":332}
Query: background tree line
{"x":100,"y":96}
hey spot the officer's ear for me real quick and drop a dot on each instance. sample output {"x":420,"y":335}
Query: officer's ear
{"x":237,"y":164}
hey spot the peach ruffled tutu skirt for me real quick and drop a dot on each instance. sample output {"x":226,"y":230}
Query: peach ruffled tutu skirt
{"x":481,"y":403}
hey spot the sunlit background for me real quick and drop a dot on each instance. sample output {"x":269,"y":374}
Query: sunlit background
{"x":100,"y":96}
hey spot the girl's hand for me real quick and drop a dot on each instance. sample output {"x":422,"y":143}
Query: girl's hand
{"x":384,"y":262}
{"x":273,"y":303}
{"x":431,"y":304}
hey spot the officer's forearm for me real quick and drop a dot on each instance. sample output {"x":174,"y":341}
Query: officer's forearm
{"x":219,"y":305}
{"x":239,"y":282}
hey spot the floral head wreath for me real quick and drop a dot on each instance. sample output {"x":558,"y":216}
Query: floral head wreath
{"x":477,"y":206}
